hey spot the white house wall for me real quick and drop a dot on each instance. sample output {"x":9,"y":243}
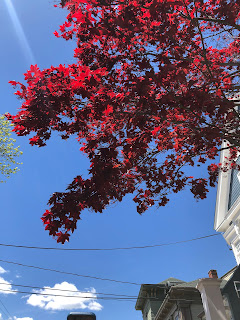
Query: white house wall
{"x":222,"y":192}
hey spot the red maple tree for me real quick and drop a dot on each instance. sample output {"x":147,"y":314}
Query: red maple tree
{"x":147,"y":95}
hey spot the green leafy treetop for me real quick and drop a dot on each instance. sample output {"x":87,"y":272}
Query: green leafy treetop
{"x":8,"y":152}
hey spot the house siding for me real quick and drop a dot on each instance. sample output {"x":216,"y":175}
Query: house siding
{"x":196,"y":309}
{"x":230,"y":292}
{"x":151,"y":309}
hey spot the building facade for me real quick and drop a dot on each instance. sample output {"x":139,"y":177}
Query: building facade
{"x":202,"y":299}
{"x":227,"y":213}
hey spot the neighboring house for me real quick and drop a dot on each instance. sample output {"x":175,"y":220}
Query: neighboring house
{"x":227,"y":213}
{"x":208,"y":298}
{"x":231,"y":292}
{"x":202,"y":299}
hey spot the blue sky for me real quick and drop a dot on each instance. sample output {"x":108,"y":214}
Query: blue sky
{"x":49,"y":169}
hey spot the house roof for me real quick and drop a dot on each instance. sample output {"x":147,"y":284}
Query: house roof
{"x":190,"y":284}
{"x":193,"y":284}
{"x":146,"y":289}
{"x":229,"y":274}
{"x":178,"y":293}
{"x":171,"y":280}
{"x":184,"y":290}
{"x":173,"y":283}
{"x":231,"y":277}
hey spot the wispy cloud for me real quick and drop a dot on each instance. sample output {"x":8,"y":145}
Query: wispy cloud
{"x":25,"y":318}
{"x":5,"y":287}
{"x":77,"y":300}
{"x":2,"y":270}
{"x":16,"y":318}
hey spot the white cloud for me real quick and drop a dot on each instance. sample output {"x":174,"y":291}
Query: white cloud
{"x":2,"y":270}
{"x":25,"y":318}
{"x":5,"y":287}
{"x":95,"y":306}
{"x":77,"y":300}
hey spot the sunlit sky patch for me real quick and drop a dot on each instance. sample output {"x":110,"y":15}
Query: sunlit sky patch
{"x":20,"y":32}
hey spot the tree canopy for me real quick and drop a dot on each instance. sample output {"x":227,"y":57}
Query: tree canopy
{"x":8,"y":152}
{"x":149,"y":93}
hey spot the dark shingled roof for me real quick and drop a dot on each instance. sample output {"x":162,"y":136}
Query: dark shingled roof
{"x":190,"y":284}
{"x":193,"y":284}
{"x":171,"y":280}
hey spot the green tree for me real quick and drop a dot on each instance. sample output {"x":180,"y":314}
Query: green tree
{"x":8,"y":151}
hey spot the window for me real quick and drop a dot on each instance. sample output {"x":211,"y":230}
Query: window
{"x":234,"y":186}
{"x":237,"y":287}
{"x":237,"y":246}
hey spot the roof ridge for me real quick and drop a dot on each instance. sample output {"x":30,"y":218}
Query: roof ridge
{"x":171,"y":279}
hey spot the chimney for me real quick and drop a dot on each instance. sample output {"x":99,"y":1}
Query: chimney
{"x":213,"y":274}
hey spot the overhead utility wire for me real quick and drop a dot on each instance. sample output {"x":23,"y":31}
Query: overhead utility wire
{"x":108,"y":249}
{"x":79,"y":297}
{"x":6,"y":313}
{"x":98,"y":278}
{"x":3,"y":312}
{"x":65,"y":290}
{"x":114,"y":296}
{"x":6,"y":309}
{"x":70,"y":273}
{"x":68,"y":296}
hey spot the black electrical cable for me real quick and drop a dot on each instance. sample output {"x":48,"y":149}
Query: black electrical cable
{"x":69,"y":296}
{"x":70,"y":273}
{"x":6,"y":309}
{"x":109,"y":249}
{"x":65,"y":290}
{"x":4,"y":312}
{"x":94,"y":277}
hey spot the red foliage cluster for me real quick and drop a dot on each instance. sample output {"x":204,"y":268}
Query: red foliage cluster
{"x":147,"y":95}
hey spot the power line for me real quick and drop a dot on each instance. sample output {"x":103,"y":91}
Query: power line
{"x":99,"y":249}
{"x":70,"y":273}
{"x":69,"y":296}
{"x":82,"y":297}
{"x":88,"y":276}
{"x":5,"y":309}
{"x":112,"y":295}
{"x":65,"y":290}
{"x":4,"y":312}
{"x":109,"y":249}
